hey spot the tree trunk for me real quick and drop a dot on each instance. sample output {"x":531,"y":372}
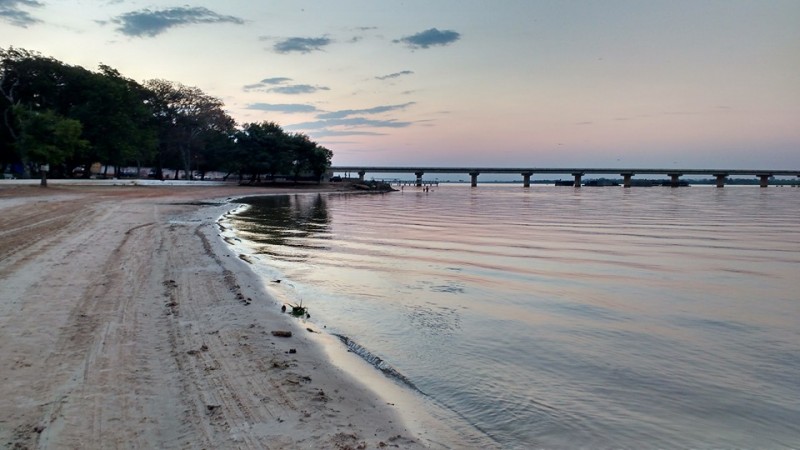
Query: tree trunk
{"x":187,"y":162}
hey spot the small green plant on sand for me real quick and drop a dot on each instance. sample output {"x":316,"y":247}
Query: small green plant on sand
{"x":299,"y":310}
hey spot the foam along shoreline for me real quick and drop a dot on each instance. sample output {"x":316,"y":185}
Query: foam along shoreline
{"x":431,"y":424}
{"x":126,"y":321}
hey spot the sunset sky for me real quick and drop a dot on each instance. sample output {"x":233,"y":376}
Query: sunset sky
{"x":465,"y":82}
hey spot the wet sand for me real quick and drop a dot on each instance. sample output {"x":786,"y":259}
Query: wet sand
{"x":126,"y":322}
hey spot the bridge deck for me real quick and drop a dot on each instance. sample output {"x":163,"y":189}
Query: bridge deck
{"x":566,"y":170}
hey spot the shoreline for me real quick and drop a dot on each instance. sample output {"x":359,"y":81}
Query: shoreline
{"x":432,"y":424}
{"x":126,"y":321}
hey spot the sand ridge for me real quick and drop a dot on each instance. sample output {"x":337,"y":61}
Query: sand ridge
{"x":126,"y":322}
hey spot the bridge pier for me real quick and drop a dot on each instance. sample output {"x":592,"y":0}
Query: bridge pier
{"x":526,"y":179}
{"x":674,"y":179}
{"x":626,"y":179}
{"x":474,"y":177}
{"x":719,"y":175}
{"x":578,"y":176}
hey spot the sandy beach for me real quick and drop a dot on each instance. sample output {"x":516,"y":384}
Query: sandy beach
{"x":126,"y":322}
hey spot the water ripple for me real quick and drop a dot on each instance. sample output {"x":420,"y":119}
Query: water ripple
{"x":550,"y":318}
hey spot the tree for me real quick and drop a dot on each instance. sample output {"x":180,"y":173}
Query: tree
{"x":124,"y":122}
{"x":264,"y":148}
{"x":300,"y":147}
{"x":261,"y":149}
{"x":115,"y":119}
{"x":320,"y":161}
{"x":216,"y":154}
{"x":308,"y":156}
{"x":46,"y":138}
{"x":188,"y":119}
{"x":18,"y":70}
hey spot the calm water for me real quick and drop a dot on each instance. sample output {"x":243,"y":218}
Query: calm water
{"x":555,"y":317}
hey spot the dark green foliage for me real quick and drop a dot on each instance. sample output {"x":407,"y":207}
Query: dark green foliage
{"x":71,"y":117}
{"x":192,"y":126}
{"x":46,"y":137}
{"x":266,"y":149}
{"x":109,"y":109}
{"x":260,"y":150}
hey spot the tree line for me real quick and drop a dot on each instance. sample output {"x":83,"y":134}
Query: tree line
{"x":68,"y":117}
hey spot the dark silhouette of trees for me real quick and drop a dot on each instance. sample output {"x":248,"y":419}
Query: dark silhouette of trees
{"x":108,"y":108}
{"x":116,"y":119}
{"x":261,"y":150}
{"x":70,"y":117}
{"x":28,"y":85}
{"x":319,"y":161}
{"x":266,"y":149}
{"x":187,"y":120}
{"x":308,"y":157}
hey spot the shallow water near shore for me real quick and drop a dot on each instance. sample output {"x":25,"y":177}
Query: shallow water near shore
{"x":558,"y":317}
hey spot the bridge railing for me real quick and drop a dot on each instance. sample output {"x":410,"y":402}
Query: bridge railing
{"x":721,"y":175}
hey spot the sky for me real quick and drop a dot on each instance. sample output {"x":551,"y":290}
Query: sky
{"x":500,"y":83}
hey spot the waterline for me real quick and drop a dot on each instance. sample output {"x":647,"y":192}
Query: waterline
{"x":600,"y":317}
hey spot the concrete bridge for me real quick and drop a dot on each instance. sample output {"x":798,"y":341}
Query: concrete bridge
{"x":627,"y":174}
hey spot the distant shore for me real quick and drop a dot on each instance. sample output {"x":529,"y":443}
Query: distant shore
{"x":127,"y":322}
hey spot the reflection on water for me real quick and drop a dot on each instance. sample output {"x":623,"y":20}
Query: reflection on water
{"x":552,"y":318}
{"x":278,"y":223}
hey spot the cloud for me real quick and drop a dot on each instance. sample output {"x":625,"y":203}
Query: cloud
{"x":275,"y":80}
{"x":295,"y":89}
{"x":150,"y":23}
{"x":374,"y":110}
{"x":11,"y":12}
{"x":358,"y":35}
{"x":352,"y":122}
{"x":278,"y":85}
{"x":283,"y":107}
{"x":265,"y":83}
{"x":429,"y":38}
{"x":301,"y":45}
{"x":340,"y":123}
{"x":338,"y":133}
{"x":395,"y":75}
